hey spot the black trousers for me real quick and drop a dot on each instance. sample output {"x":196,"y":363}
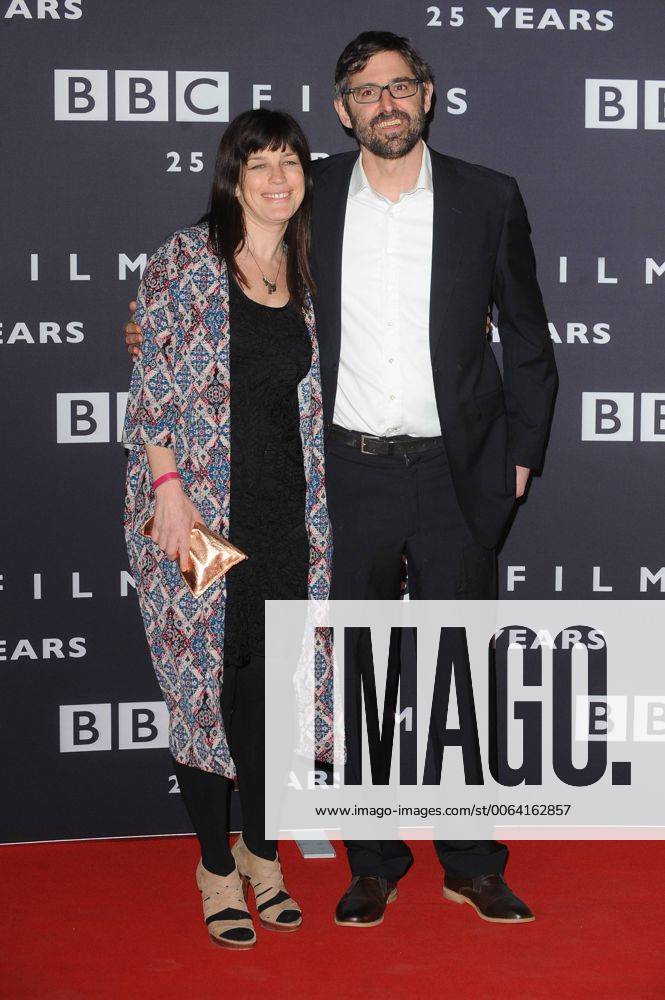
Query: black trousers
{"x":383,"y":509}
{"x":207,"y":796}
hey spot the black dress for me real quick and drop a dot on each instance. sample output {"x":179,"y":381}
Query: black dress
{"x":270,"y":353}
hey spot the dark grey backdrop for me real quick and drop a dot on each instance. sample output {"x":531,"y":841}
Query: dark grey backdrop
{"x":99,"y":189}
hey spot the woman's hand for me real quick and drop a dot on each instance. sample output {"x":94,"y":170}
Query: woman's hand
{"x":174,"y":516}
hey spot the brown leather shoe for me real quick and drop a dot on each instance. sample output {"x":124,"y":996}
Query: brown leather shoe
{"x":490,"y":897}
{"x":364,"y":902}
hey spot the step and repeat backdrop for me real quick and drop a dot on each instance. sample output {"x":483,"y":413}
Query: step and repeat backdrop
{"x":112,"y":112}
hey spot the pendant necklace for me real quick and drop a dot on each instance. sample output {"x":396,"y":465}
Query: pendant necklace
{"x":270,"y":285}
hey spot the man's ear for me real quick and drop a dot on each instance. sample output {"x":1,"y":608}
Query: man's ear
{"x":428,"y":91}
{"x":342,"y":113}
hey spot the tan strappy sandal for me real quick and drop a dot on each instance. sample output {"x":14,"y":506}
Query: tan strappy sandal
{"x":277,"y":910}
{"x":225,"y":908}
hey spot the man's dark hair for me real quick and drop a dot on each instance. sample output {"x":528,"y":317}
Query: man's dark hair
{"x":357,"y":54}
{"x":251,"y":132}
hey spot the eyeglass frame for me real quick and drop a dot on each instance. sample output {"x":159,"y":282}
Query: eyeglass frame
{"x":386,"y":86}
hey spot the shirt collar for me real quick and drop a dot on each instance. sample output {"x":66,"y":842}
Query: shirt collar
{"x":360,"y":183}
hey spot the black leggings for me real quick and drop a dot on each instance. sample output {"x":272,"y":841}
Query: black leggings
{"x":207,"y":796}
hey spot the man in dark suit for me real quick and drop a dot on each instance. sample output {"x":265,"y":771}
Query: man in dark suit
{"x":427,"y":447}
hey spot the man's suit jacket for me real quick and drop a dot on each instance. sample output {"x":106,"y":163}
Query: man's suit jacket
{"x":481,"y":252}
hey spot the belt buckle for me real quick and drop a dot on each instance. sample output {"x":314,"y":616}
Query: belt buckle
{"x":368,"y":437}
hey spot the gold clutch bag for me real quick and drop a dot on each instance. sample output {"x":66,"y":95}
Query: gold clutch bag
{"x":210,"y":557}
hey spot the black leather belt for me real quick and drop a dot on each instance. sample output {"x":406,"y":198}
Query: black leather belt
{"x":368,"y":444}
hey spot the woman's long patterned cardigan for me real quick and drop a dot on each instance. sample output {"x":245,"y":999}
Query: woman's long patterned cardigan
{"x":180,"y":398}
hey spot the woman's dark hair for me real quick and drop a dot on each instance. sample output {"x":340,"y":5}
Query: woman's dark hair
{"x":358,"y":53}
{"x":248,"y":133}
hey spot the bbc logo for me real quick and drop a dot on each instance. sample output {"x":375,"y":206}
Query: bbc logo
{"x":609,"y":416}
{"x":85,"y":418}
{"x":141,"y":726}
{"x":613,"y":104}
{"x":140,"y":95}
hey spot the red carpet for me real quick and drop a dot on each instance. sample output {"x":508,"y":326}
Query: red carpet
{"x":121,"y":919}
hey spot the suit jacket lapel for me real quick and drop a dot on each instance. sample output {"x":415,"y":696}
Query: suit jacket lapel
{"x":331,"y":192}
{"x":447,"y":241}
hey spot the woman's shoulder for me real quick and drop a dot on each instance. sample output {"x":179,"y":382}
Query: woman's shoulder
{"x":180,"y":258}
{"x":185,"y":246}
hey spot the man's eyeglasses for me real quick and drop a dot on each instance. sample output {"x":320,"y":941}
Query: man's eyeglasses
{"x":370,"y":93}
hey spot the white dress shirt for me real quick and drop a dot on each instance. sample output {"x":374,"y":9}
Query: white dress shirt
{"x":385,"y":384}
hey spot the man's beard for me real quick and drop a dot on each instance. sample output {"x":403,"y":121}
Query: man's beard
{"x":384,"y":146}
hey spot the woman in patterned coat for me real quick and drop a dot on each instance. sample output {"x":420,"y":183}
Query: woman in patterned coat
{"x":224,"y":426}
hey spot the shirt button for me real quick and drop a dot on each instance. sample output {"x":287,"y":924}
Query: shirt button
{"x":390,"y":361}
{"x":393,"y":396}
{"x":389,"y":249}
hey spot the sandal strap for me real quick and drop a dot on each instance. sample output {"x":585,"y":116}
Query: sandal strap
{"x":267,"y":882}
{"x":220,"y":928}
{"x":220,"y":893}
{"x":273,"y":907}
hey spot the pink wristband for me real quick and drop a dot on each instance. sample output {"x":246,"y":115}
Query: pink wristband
{"x":162,"y":479}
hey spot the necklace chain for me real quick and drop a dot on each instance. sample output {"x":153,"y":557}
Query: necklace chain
{"x":270,"y":285}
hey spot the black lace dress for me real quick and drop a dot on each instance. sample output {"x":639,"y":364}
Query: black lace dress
{"x":270,"y":354}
